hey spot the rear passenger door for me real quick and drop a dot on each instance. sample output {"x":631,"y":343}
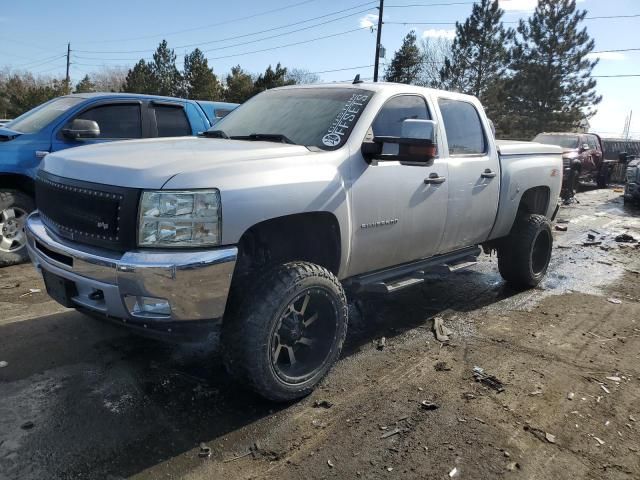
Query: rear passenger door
{"x":170,"y":119}
{"x":474,"y":175}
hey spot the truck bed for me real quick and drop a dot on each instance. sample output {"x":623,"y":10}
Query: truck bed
{"x":510,"y":147}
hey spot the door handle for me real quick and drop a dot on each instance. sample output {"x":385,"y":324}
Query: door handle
{"x":434,"y":179}
{"x":488,"y":173}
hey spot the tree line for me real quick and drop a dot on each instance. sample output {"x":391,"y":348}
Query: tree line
{"x":21,"y":91}
{"x":534,"y":78}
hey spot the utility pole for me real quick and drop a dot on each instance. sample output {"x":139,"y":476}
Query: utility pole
{"x":68,"y":79}
{"x":378,"y":40}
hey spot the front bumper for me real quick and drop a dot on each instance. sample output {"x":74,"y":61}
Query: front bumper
{"x":195,"y":283}
{"x":632,"y":191}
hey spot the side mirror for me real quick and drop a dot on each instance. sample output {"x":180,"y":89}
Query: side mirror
{"x":81,"y":128}
{"x":623,"y":157}
{"x":416,"y":144}
{"x":584,"y":147}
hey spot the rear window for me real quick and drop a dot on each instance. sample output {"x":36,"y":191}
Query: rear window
{"x":172,"y":121}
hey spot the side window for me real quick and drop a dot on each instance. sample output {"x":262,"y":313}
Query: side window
{"x":116,"y":121}
{"x":593,"y":143}
{"x":463,"y":127}
{"x":172,"y":121}
{"x":388,"y":123}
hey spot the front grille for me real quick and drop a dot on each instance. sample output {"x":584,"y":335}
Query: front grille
{"x":90,"y":213}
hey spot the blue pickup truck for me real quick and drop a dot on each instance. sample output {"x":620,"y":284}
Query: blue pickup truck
{"x":76,"y":120}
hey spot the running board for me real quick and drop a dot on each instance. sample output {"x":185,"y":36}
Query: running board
{"x":407,"y":275}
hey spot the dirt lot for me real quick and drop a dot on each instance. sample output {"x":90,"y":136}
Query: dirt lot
{"x":82,"y":399}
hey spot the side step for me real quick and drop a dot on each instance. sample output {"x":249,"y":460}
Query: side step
{"x":410,"y":274}
{"x":454,"y":267}
{"x":382,"y":287}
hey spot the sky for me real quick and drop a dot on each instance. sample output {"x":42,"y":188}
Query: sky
{"x":327,"y":36}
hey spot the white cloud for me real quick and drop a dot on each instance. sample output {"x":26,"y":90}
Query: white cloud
{"x":521,"y":5}
{"x":608,"y":56}
{"x":518,"y":5}
{"x":370,"y":20}
{"x":439,"y":33}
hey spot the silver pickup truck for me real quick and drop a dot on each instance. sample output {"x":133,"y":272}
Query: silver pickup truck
{"x":258,"y":228}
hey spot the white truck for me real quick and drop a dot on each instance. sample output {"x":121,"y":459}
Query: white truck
{"x":258,"y":228}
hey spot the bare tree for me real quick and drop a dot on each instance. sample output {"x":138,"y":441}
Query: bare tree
{"x":109,"y":79}
{"x":435,"y":50}
{"x":302,"y":76}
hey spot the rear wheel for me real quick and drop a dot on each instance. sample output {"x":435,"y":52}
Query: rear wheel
{"x":284,"y":338}
{"x":14,"y":208}
{"x":523,"y":257}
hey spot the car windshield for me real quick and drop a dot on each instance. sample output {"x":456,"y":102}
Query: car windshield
{"x":564,"y":141}
{"x":313,"y":117}
{"x":41,"y":116}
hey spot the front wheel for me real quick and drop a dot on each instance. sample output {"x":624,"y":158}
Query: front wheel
{"x":285,"y":338}
{"x":524,"y":256}
{"x":14,"y":208}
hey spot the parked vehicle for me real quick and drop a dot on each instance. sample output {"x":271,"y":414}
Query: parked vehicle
{"x":632,"y":174}
{"x":583,"y":158}
{"x":297,"y":196}
{"x":76,"y":120}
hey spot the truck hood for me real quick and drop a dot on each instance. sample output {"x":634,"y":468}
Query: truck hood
{"x":151,"y":163}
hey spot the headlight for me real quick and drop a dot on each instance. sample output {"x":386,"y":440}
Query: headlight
{"x":179,"y":219}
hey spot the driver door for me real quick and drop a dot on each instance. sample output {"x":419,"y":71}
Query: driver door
{"x":117,"y":121}
{"x":396,"y":216}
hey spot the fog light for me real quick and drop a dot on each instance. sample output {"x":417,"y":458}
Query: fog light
{"x":139,"y":306}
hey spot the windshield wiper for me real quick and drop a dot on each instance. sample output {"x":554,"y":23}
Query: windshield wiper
{"x":215,"y":134}
{"x":264,"y":137}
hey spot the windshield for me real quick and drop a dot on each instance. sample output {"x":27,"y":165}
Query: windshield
{"x":41,"y":116}
{"x":313,"y":117}
{"x":564,"y":141}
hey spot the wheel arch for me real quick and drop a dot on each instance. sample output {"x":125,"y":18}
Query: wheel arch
{"x":311,"y":236}
{"x":15,"y":181}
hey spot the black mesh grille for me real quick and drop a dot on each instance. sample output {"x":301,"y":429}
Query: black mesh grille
{"x":86,"y":212}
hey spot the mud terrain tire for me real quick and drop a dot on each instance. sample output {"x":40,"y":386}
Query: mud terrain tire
{"x":523,"y":257}
{"x":272,"y":318}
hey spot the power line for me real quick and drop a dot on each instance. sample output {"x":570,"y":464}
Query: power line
{"x":287,"y":44}
{"x":617,"y":76}
{"x":241,"y":43}
{"x":605,"y":17}
{"x":225,"y":22}
{"x":341,"y":69}
{"x":254,"y":33}
{"x":618,"y":50}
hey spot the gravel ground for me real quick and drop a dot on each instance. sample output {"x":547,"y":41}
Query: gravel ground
{"x":83,"y":399}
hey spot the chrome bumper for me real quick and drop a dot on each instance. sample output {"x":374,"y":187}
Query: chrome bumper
{"x":196,"y":283}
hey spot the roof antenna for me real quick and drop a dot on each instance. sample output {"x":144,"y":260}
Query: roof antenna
{"x":357,"y":80}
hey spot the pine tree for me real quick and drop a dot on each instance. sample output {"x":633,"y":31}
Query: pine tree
{"x":169,"y":80}
{"x":141,"y":79}
{"x":200,"y":81}
{"x":551,"y":88}
{"x":272,"y":78}
{"x":406,"y":65}
{"x":85,"y":85}
{"x":239,"y":85}
{"x":479,"y":55}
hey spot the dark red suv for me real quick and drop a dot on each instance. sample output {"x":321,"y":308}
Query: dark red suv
{"x":582,"y":157}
